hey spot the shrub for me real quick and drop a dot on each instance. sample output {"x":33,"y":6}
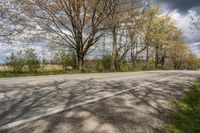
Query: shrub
{"x":99,"y":67}
{"x":64,"y":59}
{"x":15,"y":61}
{"x":107,"y":63}
{"x":31,"y":60}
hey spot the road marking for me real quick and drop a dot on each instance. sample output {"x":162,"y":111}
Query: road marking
{"x":58,"y":110}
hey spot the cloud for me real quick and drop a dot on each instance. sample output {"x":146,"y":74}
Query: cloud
{"x":40,"y":49}
{"x":5,"y":50}
{"x":182,"y":11}
{"x":183,"y":21}
{"x":197,"y":44}
{"x":195,"y":47}
{"x":182,"y":6}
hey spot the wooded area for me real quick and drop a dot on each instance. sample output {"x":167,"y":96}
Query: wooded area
{"x":127,"y":35}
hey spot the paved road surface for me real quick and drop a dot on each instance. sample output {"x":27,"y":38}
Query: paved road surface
{"x":91,"y":103}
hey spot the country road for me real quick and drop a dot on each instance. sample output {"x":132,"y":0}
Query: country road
{"x":91,"y":103}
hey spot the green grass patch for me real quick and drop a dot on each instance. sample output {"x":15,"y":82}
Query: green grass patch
{"x":6,"y":74}
{"x":186,"y":118}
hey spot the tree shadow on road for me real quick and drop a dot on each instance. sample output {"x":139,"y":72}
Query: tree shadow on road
{"x":142,"y":109}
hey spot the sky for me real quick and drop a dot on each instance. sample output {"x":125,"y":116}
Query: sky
{"x":180,"y":10}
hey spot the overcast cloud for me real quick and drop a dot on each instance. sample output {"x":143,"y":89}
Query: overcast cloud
{"x":182,"y":6}
{"x":182,"y":11}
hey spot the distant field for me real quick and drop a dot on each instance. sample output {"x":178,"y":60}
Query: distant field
{"x":51,"y":67}
{"x":43,"y":67}
{"x":3,"y":68}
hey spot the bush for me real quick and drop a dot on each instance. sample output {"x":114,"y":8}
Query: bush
{"x":64,"y":59}
{"x":15,"y":61}
{"x":31,"y":60}
{"x":107,"y":63}
{"x":99,"y":67}
{"x":127,"y":67}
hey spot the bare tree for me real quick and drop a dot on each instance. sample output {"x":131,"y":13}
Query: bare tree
{"x":135,"y":33}
{"x":195,"y":22}
{"x":75,"y":24}
{"x":121,"y":20}
{"x":11,"y":22}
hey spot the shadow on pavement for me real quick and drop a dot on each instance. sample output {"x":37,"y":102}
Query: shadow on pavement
{"x":143,"y":109}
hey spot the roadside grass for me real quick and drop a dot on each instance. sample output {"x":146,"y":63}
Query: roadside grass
{"x":55,"y":71}
{"x":186,"y":118}
{"x":5,"y":74}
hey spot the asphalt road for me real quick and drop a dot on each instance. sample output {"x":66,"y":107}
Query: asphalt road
{"x":91,"y":103}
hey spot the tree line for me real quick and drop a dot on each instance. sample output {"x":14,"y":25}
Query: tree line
{"x":135,"y":32}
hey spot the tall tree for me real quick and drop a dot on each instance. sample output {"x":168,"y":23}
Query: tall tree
{"x":124,"y":17}
{"x":11,"y":20}
{"x":163,"y":36}
{"x":75,"y":24}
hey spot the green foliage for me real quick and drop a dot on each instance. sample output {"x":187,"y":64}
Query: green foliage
{"x":18,"y":61}
{"x":64,"y":59}
{"x":31,"y":60}
{"x":99,"y":67}
{"x":4,"y":74}
{"x":15,"y":62}
{"x":186,"y":119}
{"x":107,"y":63}
{"x":127,"y":67}
{"x":90,"y":65}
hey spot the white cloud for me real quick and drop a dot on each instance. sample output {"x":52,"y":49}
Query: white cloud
{"x":191,"y":35}
{"x":41,"y":50}
{"x":184,"y":23}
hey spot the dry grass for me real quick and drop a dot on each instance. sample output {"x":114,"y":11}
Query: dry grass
{"x":48,"y":67}
{"x":51,"y":67}
{"x":3,"y":68}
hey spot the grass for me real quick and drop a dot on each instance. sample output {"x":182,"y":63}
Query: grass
{"x":5,"y":74}
{"x":186,"y":118}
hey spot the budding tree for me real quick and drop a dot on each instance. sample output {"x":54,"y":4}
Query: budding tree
{"x":11,"y":22}
{"x":75,"y":24}
{"x":123,"y":18}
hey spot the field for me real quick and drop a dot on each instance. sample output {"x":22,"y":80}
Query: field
{"x":44,"y":70}
{"x":48,"y":67}
{"x":3,"y":68}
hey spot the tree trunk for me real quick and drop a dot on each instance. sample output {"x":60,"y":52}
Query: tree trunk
{"x":163,"y":61}
{"x":147,"y":58}
{"x":179,"y":65}
{"x":74,"y":60}
{"x":156,"y":60}
{"x":175,"y":64}
{"x":80,"y":63}
{"x":117,"y":65}
{"x":156,"y":57}
{"x":114,"y":48}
